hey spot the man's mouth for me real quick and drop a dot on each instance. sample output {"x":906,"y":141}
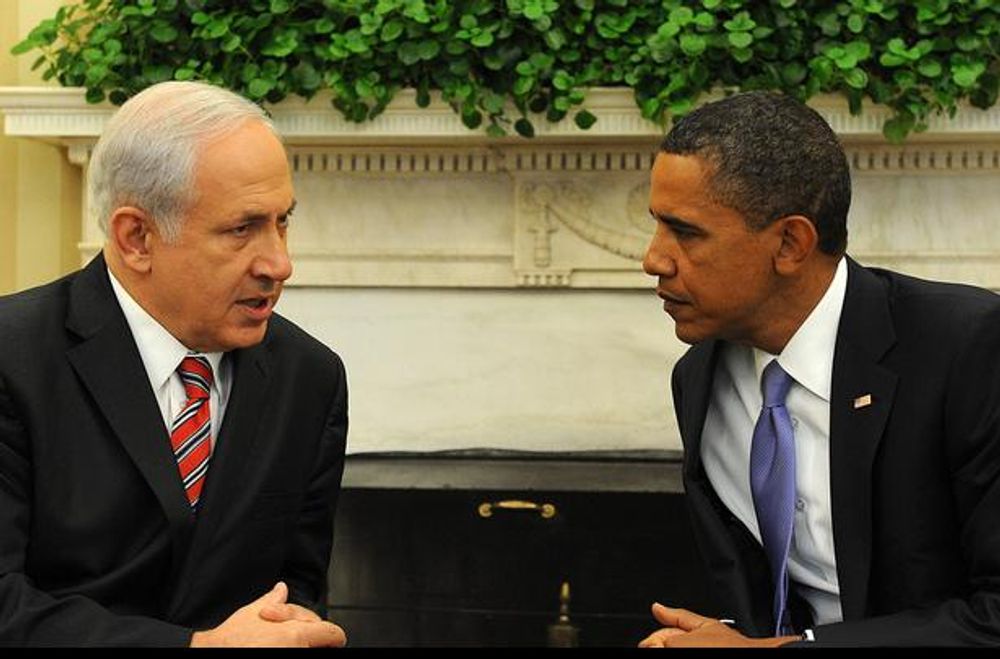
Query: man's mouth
{"x":255,"y":302}
{"x":257,"y":308}
{"x":672,"y":299}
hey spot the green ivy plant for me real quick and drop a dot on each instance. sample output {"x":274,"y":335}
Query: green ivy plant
{"x":508,"y":63}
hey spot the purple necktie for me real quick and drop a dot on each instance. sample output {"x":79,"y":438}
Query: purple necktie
{"x":772,"y":482}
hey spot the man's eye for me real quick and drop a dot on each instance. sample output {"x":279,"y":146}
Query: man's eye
{"x":241,"y":230}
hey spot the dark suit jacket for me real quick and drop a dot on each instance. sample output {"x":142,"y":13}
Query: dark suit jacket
{"x":97,"y":543}
{"x":915,"y":476}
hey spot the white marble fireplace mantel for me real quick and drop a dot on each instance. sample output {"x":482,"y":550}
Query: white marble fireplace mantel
{"x":487,"y":292}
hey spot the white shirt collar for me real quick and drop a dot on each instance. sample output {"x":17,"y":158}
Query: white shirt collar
{"x":808,"y":355}
{"x":160,"y":351}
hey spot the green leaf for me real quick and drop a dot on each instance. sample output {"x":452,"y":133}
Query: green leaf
{"x":392,"y":30}
{"x":897,"y":46}
{"x":555,"y":39}
{"x":280,"y":6}
{"x":965,"y":74}
{"x":855,"y":23}
{"x":428,"y":49}
{"x":891,"y":60}
{"x":584,"y":119}
{"x":930,"y":68}
{"x":681,"y":16}
{"x":523,"y":85}
{"x":324,"y":26}
{"x":897,"y":128}
{"x":163,"y":32}
{"x":793,"y":73}
{"x":668,"y":30}
{"x":524,"y":127}
{"x":259,"y":87}
{"x":533,"y":11}
{"x":231,"y":43}
{"x":705,"y":20}
{"x":969,"y":42}
{"x":829,"y":24}
{"x":482,"y":40}
{"x":562,"y":80}
{"x":693,"y":44}
{"x":742,"y":55}
{"x":23,"y":47}
{"x":740,"y":39}
{"x":472,"y":118}
{"x":94,"y":95}
{"x":408,"y":53}
{"x":281,"y":45}
{"x":741,"y":22}
{"x":856,"y":78}
{"x":492,"y":102}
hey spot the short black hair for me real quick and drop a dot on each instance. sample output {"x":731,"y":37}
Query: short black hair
{"x":773,"y":156}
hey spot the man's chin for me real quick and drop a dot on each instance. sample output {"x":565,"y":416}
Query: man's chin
{"x":688,"y":334}
{"x":243,"y":337}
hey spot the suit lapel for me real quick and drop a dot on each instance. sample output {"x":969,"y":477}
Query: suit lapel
{"x":697,"y":388}
{"x":108,"y":363}
{"x":238,"y":433}
{"x":860,"y":401}
{"x":737,"y":567}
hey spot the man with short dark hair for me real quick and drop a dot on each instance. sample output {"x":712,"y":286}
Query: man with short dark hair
{"x":170,"y":449}
{"x":841,"y":424}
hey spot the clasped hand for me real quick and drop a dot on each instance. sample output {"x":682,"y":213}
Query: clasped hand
{"x":683,"y":628}
{"x":272,"y":621}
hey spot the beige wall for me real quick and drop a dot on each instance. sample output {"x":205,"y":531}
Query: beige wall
{"x":39,"y":189}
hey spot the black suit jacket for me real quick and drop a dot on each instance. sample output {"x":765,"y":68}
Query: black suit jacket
{"x":97,"y":542}
{"x":915,"y":476}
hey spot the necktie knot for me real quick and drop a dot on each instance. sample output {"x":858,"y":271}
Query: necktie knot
{"x":196,"y":374}
{"x":775,"y":384}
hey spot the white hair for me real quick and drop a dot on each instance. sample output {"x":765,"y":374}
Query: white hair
{"x":146,"y":154}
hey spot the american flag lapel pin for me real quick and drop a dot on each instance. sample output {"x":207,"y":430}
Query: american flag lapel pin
{"x":862,"y":401}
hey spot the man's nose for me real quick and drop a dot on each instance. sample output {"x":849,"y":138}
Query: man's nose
{"x":658,"y":260}
{"x":273,"y":261}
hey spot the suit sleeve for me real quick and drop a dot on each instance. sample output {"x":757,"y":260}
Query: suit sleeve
{"x":305,"y":569}
{"x":29,"y":616}
{"x":972,"y":445}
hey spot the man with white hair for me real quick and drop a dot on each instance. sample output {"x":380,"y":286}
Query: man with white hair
{"x":171,"y":449}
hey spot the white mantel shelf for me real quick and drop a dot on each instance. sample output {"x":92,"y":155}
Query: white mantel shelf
{"x":62,"y":114}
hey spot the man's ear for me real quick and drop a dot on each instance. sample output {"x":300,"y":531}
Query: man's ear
{"x":131,"y":232}
{"x":799,"y":241}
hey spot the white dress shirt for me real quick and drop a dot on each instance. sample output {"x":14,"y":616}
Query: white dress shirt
{"x":161,"y":354}
{"x":725,"y":443}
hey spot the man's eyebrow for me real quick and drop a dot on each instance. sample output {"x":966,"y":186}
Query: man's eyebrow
{"x":255,"y":216}
{"x":675,"y":221}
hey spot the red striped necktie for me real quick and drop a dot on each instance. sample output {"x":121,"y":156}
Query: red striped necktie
{"x":191,"y":431}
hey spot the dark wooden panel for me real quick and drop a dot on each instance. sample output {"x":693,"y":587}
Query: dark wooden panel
{"x":422,"y":568}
